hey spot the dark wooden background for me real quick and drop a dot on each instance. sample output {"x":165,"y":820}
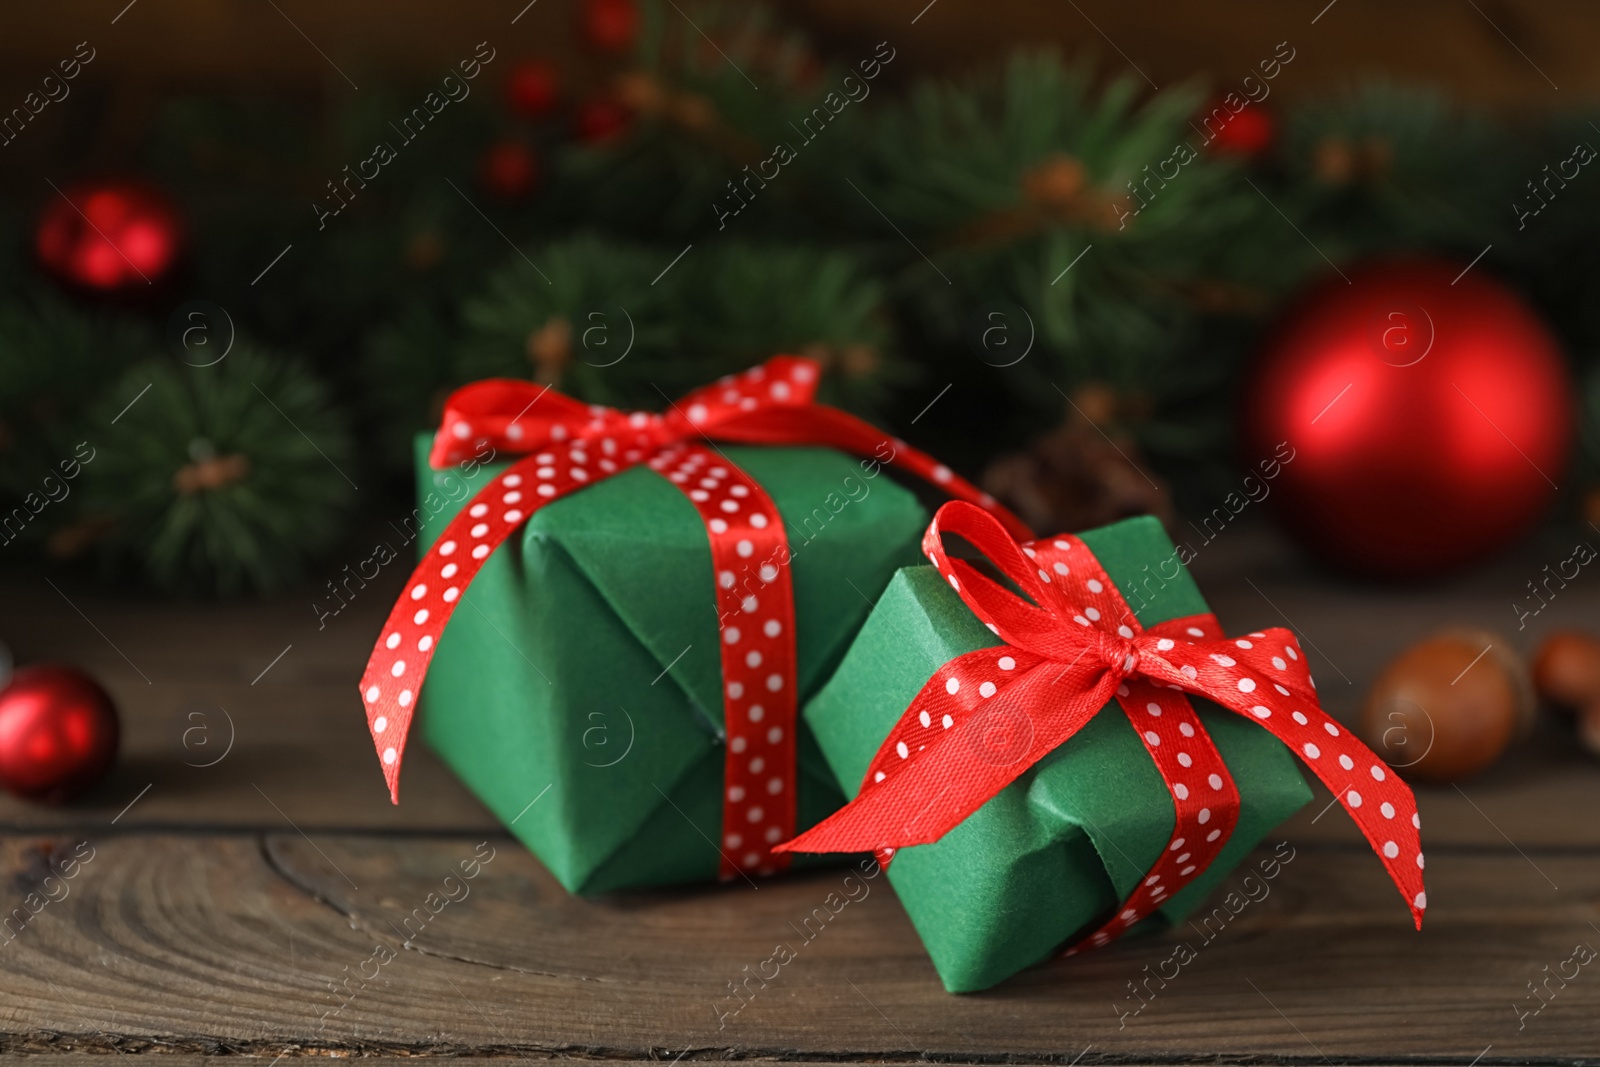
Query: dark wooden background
{"x":1484,"y":50}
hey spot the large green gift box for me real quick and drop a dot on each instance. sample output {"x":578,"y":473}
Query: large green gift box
{"x":1060,"y":847}
{"x":578,"y":689}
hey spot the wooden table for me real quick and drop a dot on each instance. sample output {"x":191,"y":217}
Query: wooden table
{"x":256,"y":906}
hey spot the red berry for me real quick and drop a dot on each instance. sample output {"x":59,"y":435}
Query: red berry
{"x":109,"y":235}
{"x":509,"y":169}
{"x":610,"y":25}
{"x":601,"y":118}
{"x":1247,"y":133}
{"x":532,"y":88}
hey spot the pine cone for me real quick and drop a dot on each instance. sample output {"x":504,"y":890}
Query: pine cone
{"x":1079,"y":475}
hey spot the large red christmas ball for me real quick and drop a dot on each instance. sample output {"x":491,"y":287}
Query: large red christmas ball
{"x":109,"y":236}
{"x":58,"y":733}
{"x":1417,"y":418}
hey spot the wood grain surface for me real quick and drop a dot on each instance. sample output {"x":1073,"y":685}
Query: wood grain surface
{"x":182,"y":672}
{"x":274,"y":903}
{"x":209,"y":942}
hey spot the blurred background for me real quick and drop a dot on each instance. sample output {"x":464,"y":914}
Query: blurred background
{"x":1101,"y":257}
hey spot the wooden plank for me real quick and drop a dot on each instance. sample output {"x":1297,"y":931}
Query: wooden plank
{"x":187,"y":676}
{"x":83,"y":1059}
{"x":1254,"y":577}
{"x":301,"y":743}
{"x":212,"y":942}
{"x":77,"y":1058}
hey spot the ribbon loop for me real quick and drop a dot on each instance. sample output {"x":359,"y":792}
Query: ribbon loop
{"x":1036,"y":625}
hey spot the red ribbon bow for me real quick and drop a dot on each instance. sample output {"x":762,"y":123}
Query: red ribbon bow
{"x":987,"y":716}
{"x":572,"y":445}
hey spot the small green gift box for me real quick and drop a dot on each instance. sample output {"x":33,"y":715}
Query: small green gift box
{"x":578,"y":689}
{"x":1042,"y":861}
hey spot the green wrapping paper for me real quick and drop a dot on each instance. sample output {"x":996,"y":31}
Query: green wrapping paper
{"x":1067,"y":841}
{"x":578,"y":691}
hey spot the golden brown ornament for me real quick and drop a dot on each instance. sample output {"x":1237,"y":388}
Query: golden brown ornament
{"x":1589,"y":728}
{"x":1591,"y":506}
{"x":1448,"y":706}
{"x":1566,"y":670}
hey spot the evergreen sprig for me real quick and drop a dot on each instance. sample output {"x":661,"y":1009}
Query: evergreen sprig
{"x":919,"y":242}
{"x":222,"y":479}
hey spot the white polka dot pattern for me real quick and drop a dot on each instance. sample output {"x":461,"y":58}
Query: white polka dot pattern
{"x":570,"y":445}
{"x":978,"y":724}
{"x":400,"y":660}
{"x":756,"y":616}
{"x":1163,"y":719}
{"x":1205,"y":801}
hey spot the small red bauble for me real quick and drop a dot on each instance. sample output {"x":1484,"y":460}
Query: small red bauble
{"x":58,"y":733}
{"x":532,"y":89}
{"x":600,"y":118}
{"x":1421,"y":416}
{"x":1249,"y":133}
{"x":109,"y":236}
{"x":610,"y":25}
{"x":509,"y":170}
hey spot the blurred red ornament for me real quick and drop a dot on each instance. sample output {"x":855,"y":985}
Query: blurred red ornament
{"x":509,"y":170}
{"x":1248,"y":133}
{"x":600,"y":118}
{"x":109,"y":236}
{"x":610,"y":25}
{"x":58,"y":733}
{"x":1428,"y":411}
{"x":532,"y":89}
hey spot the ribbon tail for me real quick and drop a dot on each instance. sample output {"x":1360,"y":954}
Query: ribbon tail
{"x":994,"y":741}
{"x":399,"y":662}
{"x":755,"y":619}
{"x":1377,"y":801}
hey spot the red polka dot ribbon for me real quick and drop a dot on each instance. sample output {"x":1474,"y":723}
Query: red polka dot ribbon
{"x":985,"y":717}
{"x":566,"y":446}
{"x":756,"y":616}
